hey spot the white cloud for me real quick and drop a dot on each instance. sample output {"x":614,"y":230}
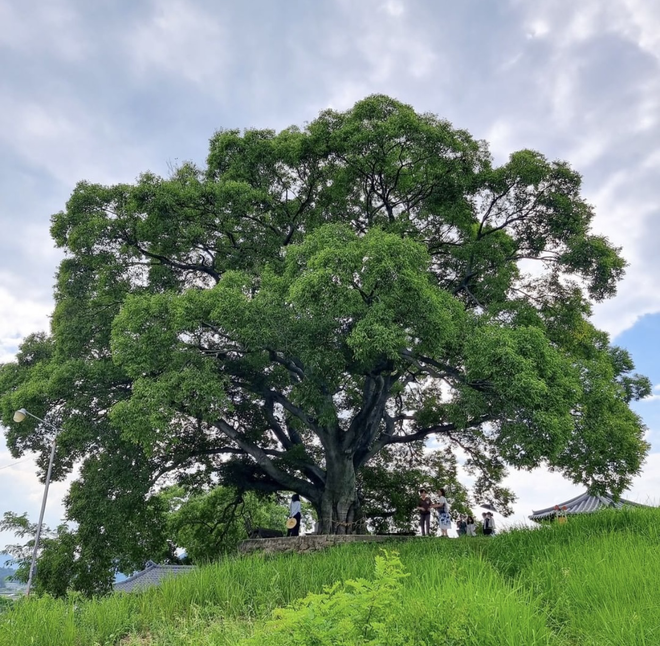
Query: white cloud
{"x":23,"y":492}
{"x":67,"y":141}
{"x":20,"y":317}
{"x":394,"y":8}
{"x":599,"y":79}
{"x":388,"y":46}
{"x":182,"y":39}
{"x":538,"y":28}
{"x":52,"y":29}
{"x":646,"y":487}
{"x":655,"y":395}
{"x":643,"y":24}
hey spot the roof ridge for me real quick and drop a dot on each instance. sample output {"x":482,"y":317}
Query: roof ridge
{"x":585,"y":502}
{"x":586,"y":494}
{"x":151,"y":575}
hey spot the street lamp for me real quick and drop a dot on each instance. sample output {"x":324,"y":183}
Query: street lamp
{"x":19,"y":416}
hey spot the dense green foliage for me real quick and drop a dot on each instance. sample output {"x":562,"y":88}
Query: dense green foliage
{"x":204,"y":524}
{"x":389,"y":487}
{"x":591,"y":582}
{"x":311,"y":298}
{"x":60,"y":571}
{"x":210,"y":524}
{"x":71,"y":561}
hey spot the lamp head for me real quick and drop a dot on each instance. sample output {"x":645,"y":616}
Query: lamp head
{"x":20,"y":415}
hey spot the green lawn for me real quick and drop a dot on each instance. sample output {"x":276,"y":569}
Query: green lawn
{"x":591,"y":581}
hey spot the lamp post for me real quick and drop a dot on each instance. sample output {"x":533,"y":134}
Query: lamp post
{"x":19,"y":416}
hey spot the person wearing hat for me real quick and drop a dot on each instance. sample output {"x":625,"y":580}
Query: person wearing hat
{"x":293,"y":523}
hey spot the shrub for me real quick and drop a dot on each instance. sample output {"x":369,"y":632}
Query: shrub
{"x":353,"y":613}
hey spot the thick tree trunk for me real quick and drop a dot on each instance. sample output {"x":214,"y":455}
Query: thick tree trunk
{"x":340,"y":510}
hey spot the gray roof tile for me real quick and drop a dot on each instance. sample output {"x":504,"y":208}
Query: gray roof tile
{"x":152,"y":574}
{"x":583,"y":503}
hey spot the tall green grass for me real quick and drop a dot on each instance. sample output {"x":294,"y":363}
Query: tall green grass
{"x":590,"y":581}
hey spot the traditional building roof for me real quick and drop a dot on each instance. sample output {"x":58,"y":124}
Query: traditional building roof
{"x":585,"y":503}
{"x":153,"y":574}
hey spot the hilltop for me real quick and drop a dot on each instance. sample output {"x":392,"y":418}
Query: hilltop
{"x":591,"y":581}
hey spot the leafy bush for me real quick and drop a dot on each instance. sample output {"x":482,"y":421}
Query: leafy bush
{"x":354,"y":613}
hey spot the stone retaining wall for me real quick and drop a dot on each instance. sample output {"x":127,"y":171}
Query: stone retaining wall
{"x":310,"y":543}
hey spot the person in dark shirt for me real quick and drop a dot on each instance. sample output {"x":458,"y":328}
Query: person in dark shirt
{"x":487,"y":524}
{"x":461,"y":526}
{"x":424,"y":507}
{"x":295,"y":512}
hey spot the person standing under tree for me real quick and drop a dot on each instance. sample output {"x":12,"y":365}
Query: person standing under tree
{"x":444,"y":519}
{"x":295,"y":513}
{"x":487,"y":523}
{"x":471,"y":529}
{"x":424,"y":507}
{"x":491,"y":523}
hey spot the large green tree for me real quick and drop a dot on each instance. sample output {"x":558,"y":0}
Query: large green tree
{"x":314,"y":296}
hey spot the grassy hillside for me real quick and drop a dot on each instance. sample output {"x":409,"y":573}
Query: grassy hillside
{"x":591,"y":581}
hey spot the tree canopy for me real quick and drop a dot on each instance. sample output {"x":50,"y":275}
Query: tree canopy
{"x":314,"y":297}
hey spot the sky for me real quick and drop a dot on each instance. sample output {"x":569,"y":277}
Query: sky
{"x":103,"y":91}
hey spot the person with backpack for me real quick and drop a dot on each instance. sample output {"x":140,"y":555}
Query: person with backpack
{"x":444,"y":519}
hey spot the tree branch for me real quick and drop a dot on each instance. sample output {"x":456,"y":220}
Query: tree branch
{"x":260,"y":455}
{"x":386,"y":438}
{"x":365,"y":424}
{"x":294,"y":367}
{"x":297,"y":412}
{"x":204,"y":268}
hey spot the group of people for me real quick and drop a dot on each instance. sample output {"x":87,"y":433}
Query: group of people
{"x":425,"y":506}
{"x":465,"y":526}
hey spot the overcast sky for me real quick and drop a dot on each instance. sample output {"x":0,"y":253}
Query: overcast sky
{"x":105,"y":90}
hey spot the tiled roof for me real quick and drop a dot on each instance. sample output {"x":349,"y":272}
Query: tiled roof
{"x":584,"y":503}
{"x":152,"y":574}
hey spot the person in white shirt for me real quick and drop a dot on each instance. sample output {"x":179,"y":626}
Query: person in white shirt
{"x":444,"y":519}
{"x":294,"y":512}
{"x":471,"y":528}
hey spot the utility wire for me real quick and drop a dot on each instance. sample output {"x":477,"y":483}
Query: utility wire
{"x":14,"y":463}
